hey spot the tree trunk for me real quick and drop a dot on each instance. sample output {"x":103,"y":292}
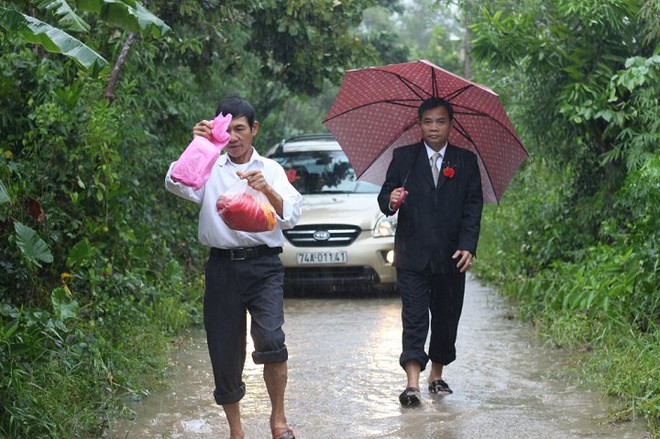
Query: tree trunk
{"x":466,"y":46}
{"x":119,"y":65}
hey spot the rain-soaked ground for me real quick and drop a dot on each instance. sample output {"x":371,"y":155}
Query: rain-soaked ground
{"x":344,"y":380}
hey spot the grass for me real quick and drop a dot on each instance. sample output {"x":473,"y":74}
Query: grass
{"x":612,"y":359}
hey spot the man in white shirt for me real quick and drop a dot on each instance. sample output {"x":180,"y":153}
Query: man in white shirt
{"x":244,"y":271}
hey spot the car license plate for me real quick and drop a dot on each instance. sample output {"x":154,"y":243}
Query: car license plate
{"x":322,"y":258}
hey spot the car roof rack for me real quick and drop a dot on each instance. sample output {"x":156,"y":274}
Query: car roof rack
{"x":279,"y":147}
{"x":316,"y":136}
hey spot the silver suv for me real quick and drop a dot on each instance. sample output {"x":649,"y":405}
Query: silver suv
{"x":342,"y":243}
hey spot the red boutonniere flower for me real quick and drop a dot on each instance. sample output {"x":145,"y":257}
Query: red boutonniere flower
{"x":448,"y":172}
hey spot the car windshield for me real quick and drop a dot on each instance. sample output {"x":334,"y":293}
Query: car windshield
{"x":322,"y":172}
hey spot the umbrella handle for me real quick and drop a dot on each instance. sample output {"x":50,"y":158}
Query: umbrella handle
{"x":419,"y":150}
{"x":404,"y":194}
{"x":401,"y":199}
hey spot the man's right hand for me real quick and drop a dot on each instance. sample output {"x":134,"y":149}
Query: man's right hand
{"x":396,"y":197}
{"x":203,"y":128}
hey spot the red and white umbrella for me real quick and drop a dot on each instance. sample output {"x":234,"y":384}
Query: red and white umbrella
{"x":375,"y":111}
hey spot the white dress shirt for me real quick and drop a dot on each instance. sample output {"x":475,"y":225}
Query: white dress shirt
{"x":430,"y":151}
{"x":212,"y":231}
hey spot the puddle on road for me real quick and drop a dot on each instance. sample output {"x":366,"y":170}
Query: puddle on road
{"x":344,"y":381}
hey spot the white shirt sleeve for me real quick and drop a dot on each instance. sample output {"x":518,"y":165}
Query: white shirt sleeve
{"x":181,"y":190}
{"x":291,"y":199}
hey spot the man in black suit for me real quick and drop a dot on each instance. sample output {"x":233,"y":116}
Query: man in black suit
{"x":436,"y":239}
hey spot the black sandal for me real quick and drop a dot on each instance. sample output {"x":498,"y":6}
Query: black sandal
{"x":440,"y":387}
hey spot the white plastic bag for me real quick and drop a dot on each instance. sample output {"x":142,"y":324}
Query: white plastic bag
{"x":245,"y":209}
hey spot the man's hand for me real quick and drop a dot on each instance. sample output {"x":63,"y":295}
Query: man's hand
{"x":396,"y":196}
{"x":203,"y":129}
{"x":255,"y":179}
{"x":464,"y":261}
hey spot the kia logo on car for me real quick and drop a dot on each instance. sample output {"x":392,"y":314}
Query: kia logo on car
{"x":321,"y":235}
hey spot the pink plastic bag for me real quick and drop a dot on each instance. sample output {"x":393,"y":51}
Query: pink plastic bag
{"x":194,"y":166}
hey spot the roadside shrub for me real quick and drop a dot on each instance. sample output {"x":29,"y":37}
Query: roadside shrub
{"x":593,"y":293}
{"x":66,"y":371}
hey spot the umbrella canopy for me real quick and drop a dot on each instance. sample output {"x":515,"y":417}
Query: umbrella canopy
{"x":376,"y":111}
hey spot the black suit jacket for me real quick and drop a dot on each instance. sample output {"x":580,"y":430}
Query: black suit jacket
{"x":434,"y":222}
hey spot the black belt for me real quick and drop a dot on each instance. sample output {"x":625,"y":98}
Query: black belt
{"x":243,"y":253}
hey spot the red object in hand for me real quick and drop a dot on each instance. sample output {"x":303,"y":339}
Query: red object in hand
{"x":401,"y":199}
{"x":245,"y":213}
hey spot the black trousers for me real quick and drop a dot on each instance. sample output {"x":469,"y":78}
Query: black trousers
{"x":232,"y":289}
{"x":442,"y":295}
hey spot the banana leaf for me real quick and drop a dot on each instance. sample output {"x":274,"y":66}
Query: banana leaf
{"x":128,"y":14}
{"x":51,"y":38}
{"x":68,"y":19}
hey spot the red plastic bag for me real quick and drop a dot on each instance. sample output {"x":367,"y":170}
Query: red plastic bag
{"x":246,"y":210}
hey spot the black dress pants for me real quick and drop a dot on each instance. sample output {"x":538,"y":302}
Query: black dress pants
{"x":232,"y":289}
{"x":442,"y":295}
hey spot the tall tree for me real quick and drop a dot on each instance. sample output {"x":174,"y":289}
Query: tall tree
{"x":564,"y":55}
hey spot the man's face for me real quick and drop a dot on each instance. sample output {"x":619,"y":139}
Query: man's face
{"x":435,"y":125}
{"x":239,"y":147}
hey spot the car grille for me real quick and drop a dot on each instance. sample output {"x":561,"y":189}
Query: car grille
{"x":338,"y":235}
{"x":329,"y":277}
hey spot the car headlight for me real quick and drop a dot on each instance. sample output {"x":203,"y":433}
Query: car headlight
{"x":385,"y":226}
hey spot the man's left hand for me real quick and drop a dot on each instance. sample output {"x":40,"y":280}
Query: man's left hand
{"x":255,"y":179}
{"x":464,"y":260}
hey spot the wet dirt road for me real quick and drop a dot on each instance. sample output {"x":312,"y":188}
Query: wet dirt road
{"x":344,"y":380}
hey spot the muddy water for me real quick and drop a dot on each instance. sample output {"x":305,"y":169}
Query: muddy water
{"x":344,"y":380}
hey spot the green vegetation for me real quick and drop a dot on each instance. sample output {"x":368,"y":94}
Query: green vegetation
{"x":99,"y":266}
{"x":575,"y":240}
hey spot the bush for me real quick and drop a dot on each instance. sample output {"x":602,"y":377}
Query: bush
{"x":593,"y":293}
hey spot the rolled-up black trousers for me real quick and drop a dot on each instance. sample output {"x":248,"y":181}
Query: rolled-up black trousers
{"x":440,"y":293}
{"x":232,"y":289}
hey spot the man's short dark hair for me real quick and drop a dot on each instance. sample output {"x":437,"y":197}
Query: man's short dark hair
{"x":431,"y":103}
{"x":237,"y":107}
